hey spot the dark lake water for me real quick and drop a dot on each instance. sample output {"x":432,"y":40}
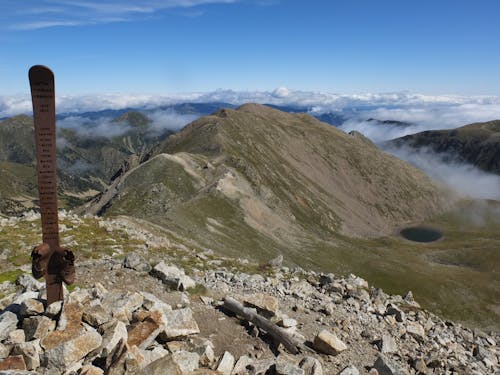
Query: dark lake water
{"x":421,"y":234}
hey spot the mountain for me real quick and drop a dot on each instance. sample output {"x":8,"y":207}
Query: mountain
{"x":257,"y":179}
{"x":87,"y":161}
{"x":477,"y":144}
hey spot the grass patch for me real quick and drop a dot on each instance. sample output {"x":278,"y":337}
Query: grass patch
{"x":10,"y":276}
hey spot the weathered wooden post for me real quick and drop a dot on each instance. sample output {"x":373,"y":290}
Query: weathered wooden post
{"x":48,"y":259}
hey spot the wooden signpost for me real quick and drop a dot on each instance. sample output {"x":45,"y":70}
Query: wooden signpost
{"x":49,"y":259}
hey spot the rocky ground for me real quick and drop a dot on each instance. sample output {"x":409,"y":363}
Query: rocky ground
{"x":154,"y":312}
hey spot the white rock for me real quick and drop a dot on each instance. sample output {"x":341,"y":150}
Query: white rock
{"x":70,"y":352}
{"x":31,"y":353}
{"x":350,"y":370}
{"x":226,"y":364}
{"x":388,"y":344}
{"x":187,"y":361}
{"x":328,"y":343}
{"x":415,"y":330}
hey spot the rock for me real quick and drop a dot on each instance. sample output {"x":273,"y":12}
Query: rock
{"x":96,"y":315}
{"x":388,"y":344}
{"x":311,"y":366}
{"x":71,"y":317}
{"x":8,"y":323}
{"x":122,"y":305}
{"x":31,"y":353}
{"x":29,"y":283}
{"x":163,"y":366}
{"x":37,"y":327}
{"x":226,"y":364}
{"x":67,"y":353}
{"x":137,"y":263}
{"x":397,"y":313}
{"x":264,"y":366}
{"x":206,"y":352}
{"x":30,"y":307}
{"x":14,"y":362}
{"x":91,"y":370}
{"x":185,"y":283}
{"x":113,"y":334}
{"x":265,"y":304}
{"x":285,"y":366}
{"x":142,"y":334}
{"x":16,"y":336}
{"x":415,"y":330}
{"x":172,"y":276}
{"x":328,"y":343}
{"x":152,"y":355}
{"x":287,"y":323}
{"x":276,"y":262}
{"x":349,"y":370}
{"x":187,"y":361}
{"x":241,"y":366}
{"x":178,"y":323}
{"x":4,"y":351}
{"x":151,"y":302}
{"x":53,"y":309}
{"x":420,"y":366}
{"x":386,"y":366}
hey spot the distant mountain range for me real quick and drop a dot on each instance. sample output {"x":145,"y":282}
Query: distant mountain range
{"x":86,"y":162}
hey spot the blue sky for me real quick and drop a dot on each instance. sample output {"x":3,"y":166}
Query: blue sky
{"x":176,"y":46}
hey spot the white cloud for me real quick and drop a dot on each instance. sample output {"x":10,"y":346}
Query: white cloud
{"x":168,"y":120}
{"x":431,"y":116}
{"x":103,"y":127}
{"x":461,"y":177}
{"x":424,"y":112}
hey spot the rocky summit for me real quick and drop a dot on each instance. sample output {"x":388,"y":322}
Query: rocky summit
{"x":140,"y":311}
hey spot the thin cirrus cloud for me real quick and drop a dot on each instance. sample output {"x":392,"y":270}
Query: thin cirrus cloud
{"x":51,"y":13}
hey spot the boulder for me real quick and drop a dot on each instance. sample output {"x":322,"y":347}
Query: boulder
{"x":113,"y":334}
{"x":151,"y":302}
{"x":143,"y":333}
{"x":67,"y":353}
{"x":30,"y":307}
{"x":31,"y":353}
{"x":122,"y":305}
{"x":311,"y":366}
{"x":53,"y":309}
{"x":163,"y":366}
{"x":265,"y":304}
{"x":285,"y":366}
{"x":187,"y":361}
{"x":13,"y":362}
{"x":349,"y":370}
{"x":16,"y":336}
{"x":8,"y":323}
{"x":388,"y":344}
{"x":96,"y":315}
{"x":178,"y":323}
{"x":172,"y":276}
{"x":328,"y":343}
{"x":226,"y":364}
{"x":387,"y":366}
{"x":37,"y":327}
{"x":415,"y":330}
{"x":137,"y":263}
